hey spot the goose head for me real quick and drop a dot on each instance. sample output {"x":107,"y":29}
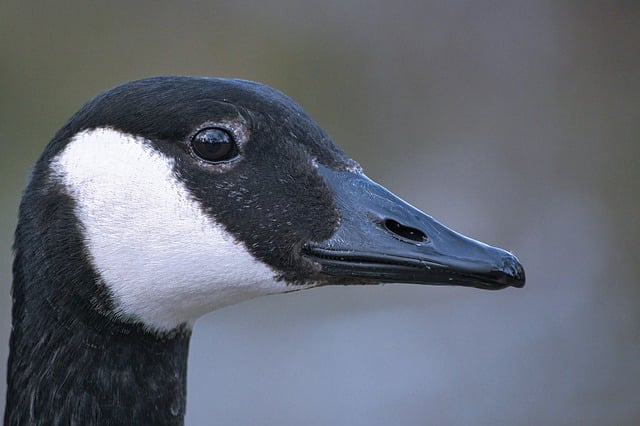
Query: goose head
{"x":188,"y":194}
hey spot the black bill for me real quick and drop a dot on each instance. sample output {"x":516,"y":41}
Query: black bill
{"x":381,"y":238}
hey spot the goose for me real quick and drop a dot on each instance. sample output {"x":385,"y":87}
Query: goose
{"x":166,"y":198}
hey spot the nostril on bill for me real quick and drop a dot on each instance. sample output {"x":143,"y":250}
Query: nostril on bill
{"x":405,"y":232}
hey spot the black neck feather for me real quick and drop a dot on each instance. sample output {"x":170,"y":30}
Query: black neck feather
{"x":71,"y":360}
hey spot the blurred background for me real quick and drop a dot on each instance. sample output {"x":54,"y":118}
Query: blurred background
{"x":514,"y":122}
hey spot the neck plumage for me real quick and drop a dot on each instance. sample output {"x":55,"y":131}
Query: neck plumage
{"x":65,"y":373}
{"x":72,"y":361}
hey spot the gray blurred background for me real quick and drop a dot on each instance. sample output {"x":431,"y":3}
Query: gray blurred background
{"x":515,"y":122}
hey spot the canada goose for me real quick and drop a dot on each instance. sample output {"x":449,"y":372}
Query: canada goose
{"x":165,"y":198}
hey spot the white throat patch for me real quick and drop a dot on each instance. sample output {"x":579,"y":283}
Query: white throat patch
{"x":164,"y":261}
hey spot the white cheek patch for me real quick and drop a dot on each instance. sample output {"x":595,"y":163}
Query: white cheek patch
{"x":163,"y":259}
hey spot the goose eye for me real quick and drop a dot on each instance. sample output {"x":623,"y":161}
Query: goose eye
{"x":214,"y":145}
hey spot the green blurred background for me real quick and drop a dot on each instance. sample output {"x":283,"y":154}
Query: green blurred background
{"x":514,"y":122}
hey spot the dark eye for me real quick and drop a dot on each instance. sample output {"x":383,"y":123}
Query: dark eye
{"x":214,"y":145}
